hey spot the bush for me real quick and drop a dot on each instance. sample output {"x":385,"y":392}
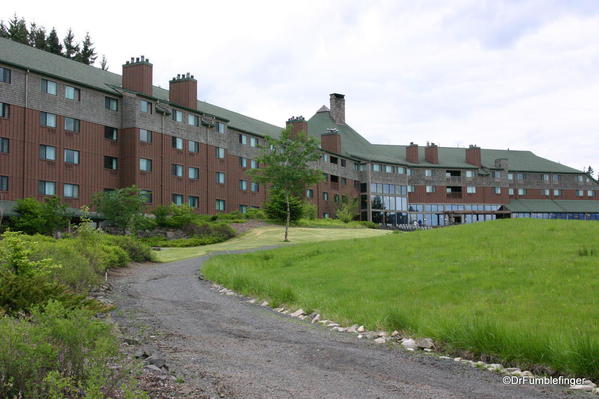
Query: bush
{"x":135,"y":248}
{"x":254,"y":213}
{"x":173,"y":215}
{"x":201,"y":234}
{"x":35,"y":217}
{"x":276,"y":207}
{"x":309,"y":211}
{"x":60,"y":353}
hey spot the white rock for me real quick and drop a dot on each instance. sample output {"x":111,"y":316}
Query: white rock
{"x":457,"y":359}
{"x":230,"y":293}
{"x":427,"y":350}
{"x":315,"y":318}
{"x":352,"y":329}
{"x":494,"y":367}
{"x":445,"y":357}
{"x":323,"y":321}
{"x":380,"y":340}
{"x":297,"y":313}
{"x":596,"y":390}
{"x":333,"y":325}
{"x":424,"y":343}
{"x":252,"y":300}
{"x":408,"y":343}
{"x":381,"y":334}
{"x":585,"y":388}
{"x":395,"y":333}
{"x":513,"y":369}
{"x":361,"y":329}
{"x":360,"y":336}
{"x":589,"y":382}
{"x":302,"y":317}
{"x":527,"y":374}
{"x":264,"y":303}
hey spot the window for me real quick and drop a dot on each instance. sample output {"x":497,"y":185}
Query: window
{"x":72,"y":93}
{"x":497,"y":190}
{"x":193,"y":202}
{"x":470,"y":174}
{"x":177,"y":170}
{"x":4,"y":110}
{"x":428,"y":172}
{"x":254,"y":164}
{"x":325,"y":157}
{"x":177,"y":199}
{"x":337,"y":198}
{"x":376,"y":167}
{"x":46,"y":187}
{"x":410,"y":188}
{"x":580,"y":179}
{"x":72,"y":125}
{"x":325,"y":176}
{"x":546,"y":178}
{"x":177,"y":143}
{"x":325,"y":196}
{"x":556,"y":192}
{"x":49,"y":87}
{"x":388,"y":169}
{"x":220,"y":178}
{"x":520,"y":176}
{"x":497,"y":174}
{"x":325,"y":215}
{"x":243,"y":185}
{"x":71,"y":156}
{"x":145,"y":136}
{"x":193,"y":173}
{"x":110,"y":133}
{"x":243,"y":162}
{"x":147,"y":196}
{"x":471,"y":189}
{"x":220,"y":205}
{"x":47,"y":152}
{"x":111,"y":104}
{"x":253,"y":142}
{"x":243,"y":208}
{"x":343,"y":163}
{"x":111,"y":163}
{"x":546,"y":192}
{"x":309,"y":193}
{"x":194,"y":146}
{"x":430,"y":189}
{"x":510,"y":191}
{"x":220,"y":153}
{"x":510,"y":176}
{"x":255,"y":187}
{"x":177,"y":116}
{"x":410,"y":172}
{"x":3,"y":183}
{"x":555,"y":178}
{"x":580,"y":193}
{"x":343,"y":180}
{"x":145,"y":165}
{"x":243,"y":139}
{"x":4,"y":145}
{"x":220,"y":127}
{"x":193,"y":120}
{"x":4,"y":75}
{"x":71,"y":190}
{"x":401,"y":170}
{"x":47,"y":119}
{"x":521,"y":191}
{"x":590,"y":193}
{"x":145,"y":106}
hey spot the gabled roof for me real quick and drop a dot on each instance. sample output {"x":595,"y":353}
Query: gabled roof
{"x":553,"y":206}
{"x":355,"y":145}
{"x":45,"y":63}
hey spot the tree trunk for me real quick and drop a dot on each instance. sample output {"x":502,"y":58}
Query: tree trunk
{"x":288,"y":217}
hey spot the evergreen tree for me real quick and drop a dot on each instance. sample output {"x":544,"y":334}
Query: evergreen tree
{"x":87,"y":55}
{"x":53,"y":44}
{"x":17,"y":30}
{"x":590,"y":171}
{"x":104,"y":63}
{"x":3,"y":30}
{"x":37,"y":37}
{"x":71,"y":48}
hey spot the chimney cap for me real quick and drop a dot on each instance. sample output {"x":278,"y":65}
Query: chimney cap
{"x":296,"y":119}
{"x":337,"y":95}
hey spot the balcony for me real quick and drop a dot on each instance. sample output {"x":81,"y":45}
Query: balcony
{"x":453,"y":179}
{"x":454,"y":195}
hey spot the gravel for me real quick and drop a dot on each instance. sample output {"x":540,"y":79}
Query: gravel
{"x":223,"y":346}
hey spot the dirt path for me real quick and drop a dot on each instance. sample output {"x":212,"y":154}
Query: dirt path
{"x":223,"y":346}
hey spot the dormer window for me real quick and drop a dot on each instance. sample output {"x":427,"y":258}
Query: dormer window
{"x":221,"y":127}
{"x":145,"y":106}
{"x":177,"y":116}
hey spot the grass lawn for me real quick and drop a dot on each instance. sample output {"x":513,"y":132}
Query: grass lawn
{"x":525,"y":291}
{"x":265,"y":236}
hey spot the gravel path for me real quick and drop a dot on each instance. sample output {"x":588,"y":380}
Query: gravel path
{"x":223,"y":346}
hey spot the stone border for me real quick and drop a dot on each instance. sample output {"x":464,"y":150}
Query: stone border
{"x":427,"y":345}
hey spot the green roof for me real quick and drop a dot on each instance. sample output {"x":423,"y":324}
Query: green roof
{"x":43,"y":62}
{"x":354,"y":145}
{"x":557,"y":206}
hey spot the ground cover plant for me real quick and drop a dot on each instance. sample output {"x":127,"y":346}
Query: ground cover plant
{"x":524,"y":291}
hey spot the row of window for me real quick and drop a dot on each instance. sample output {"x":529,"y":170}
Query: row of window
{"x":245,"y":139}
{"x":325,"y":196}
{"x":388,"y":188}
{"x":336,"y":161}
{"x":400,"y":170}
{"x":49,"y":188}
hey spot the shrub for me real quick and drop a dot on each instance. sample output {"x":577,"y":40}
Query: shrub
{"x":254,"y":213}
{"x":135,"y":248}
{"x":123,"y":207}
{"x":173,"y":215}
{"x":35,"y":217}
{"x":276,"y":207}
{"x":309,"y":211}
{"x":347,"y":211}
{"x":202,"y":234}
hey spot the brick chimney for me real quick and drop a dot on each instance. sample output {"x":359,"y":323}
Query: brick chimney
{"x":338,"y":108}
{"x":298,"y":125}
{"x":137,"y":75}
{"x":473,"y":155}
{"x":412,"y":153}
{"x":331,"y":140}
{"x":183,"y":90}
{"x":431,"y":153}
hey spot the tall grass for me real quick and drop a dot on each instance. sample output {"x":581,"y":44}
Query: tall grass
{"x":525,"y":291}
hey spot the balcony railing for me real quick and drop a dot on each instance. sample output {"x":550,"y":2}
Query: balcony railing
{"x":454,"y":195}
{"x":454,"y":179}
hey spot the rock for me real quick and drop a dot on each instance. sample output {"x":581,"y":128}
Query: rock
{"x":333,"y":325}
{"x":589,"y":382}
{"x":580,"y":387}
{"x":445,"y":357}
{"x":323,"y":321}
{"x":253,"y":300}
{"x":153,"y":368}
{"x":380,"y":340}
{"x":156,"y":249}
{"x":131,"y":341}
{"x":408,"y":343}
{"x":527,"y":374}
{"x":371,"y":335}
{"x":381,"y":334}
{"x":302,"y":317}
{"x":427,"y":350}
{"x":361,"y":329}
{"x":264,"y":303}
{"x":360,"y":336}
{"x":395,"y":333}
{"x":157,"y":361}
{"x":297,"y":313}
{"x":494,"y":367}
{"x":142,"y":353}
{"x":512,"y":369}
{"x":424,"y":343}
{"x":457,"y":359}
{"x":315,"y":318}
{"x":352,"y":329}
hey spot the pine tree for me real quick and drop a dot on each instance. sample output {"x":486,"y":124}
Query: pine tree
{"x":590,"y":171}
{"x":53,"y":44}
{"x":17,"y":30}
{"x":3,"y":30}
{"x":71,"y":48}
{"x":104,"y":63}
{"x":87,"y":55}
{"x":37,"y":36}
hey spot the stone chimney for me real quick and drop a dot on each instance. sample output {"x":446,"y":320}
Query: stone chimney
{"x":412,"y":153}
{"x":297,"y":125}
{"x":137,"y":75}
{"x":331,"y":140}
{"x":431,"y":153}
{"x":473,"y":155}
{"x":183,"y":90}
{"x":338,"y":108}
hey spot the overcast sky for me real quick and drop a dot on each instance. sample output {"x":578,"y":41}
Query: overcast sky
{"x":518,"y":74}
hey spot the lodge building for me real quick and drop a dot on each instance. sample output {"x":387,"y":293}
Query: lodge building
{"x":72,"y":130}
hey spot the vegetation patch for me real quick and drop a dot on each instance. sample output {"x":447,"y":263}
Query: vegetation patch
{"x":525,"y":291}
